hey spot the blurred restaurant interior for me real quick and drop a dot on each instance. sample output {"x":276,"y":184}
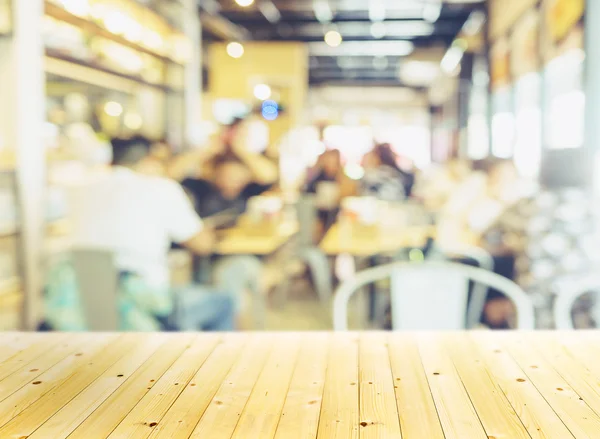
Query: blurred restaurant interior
{"x":299,"y":165}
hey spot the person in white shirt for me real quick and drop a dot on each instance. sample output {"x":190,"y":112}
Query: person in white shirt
{"x":137,"y":217}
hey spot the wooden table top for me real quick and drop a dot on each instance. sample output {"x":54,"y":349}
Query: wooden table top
{"x":288,"y":385}
{"x":241,"y":240}
{"x":365,"y":241}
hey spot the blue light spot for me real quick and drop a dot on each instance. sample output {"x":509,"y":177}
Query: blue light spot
{"x":270,"y":110}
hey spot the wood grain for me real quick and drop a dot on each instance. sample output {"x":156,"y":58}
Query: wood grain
{"x":417,"y":411}
{"x":378,"y":410}
{"x":488,"y":385}
{"x":302,"y":408}
{"x":457,"y":414}
{"x":536,"y":414}
{"x":340,"y":410}
{"x":261,"y":415}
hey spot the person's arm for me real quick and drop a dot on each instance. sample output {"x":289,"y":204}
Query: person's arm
{"x":186,"y":164}
{"x":183,"y":223}
{"x":264,"y":171}
{"x":202,"y":243}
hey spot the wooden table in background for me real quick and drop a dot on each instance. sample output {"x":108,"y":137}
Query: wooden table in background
{"x":363,"y":241}
{"x":243,"y":240}
{"x":284,"y":386}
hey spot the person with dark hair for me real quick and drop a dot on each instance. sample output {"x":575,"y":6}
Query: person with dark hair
{"x":137,"y":217}
{"x":233,"y":183}
{"x":383,"y":177}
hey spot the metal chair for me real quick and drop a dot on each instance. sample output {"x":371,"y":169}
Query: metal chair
{"x":97,"y":280}
{"x":484,"y":261}
{"x":434,"y":308}
{"x":563,"y":305}
{"x":310,"y":254}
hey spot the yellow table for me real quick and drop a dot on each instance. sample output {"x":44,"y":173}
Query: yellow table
{"x":364,"y":241}
{"x":287,"y":386}
{"x":243,"y":240}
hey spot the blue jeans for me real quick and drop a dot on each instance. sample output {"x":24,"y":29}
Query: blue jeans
{"x":201,"y":308}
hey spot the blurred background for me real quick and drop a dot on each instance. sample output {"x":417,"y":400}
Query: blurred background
{"x":315,"y":139}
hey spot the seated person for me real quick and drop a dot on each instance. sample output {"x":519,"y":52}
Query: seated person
{"x":383,"y":177}
{"x":226,"y":174}
{"x":137,"y":217}
{"x":234,"y":182}
{"x":329,"y":184}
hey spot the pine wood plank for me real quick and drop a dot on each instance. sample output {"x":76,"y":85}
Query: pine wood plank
{"x":33,"y":347}
{"x":31,"y":370}
{"x":262,"y":412}
{"x":68,"y":418}
{"x":150,"y":410}
{"x":340,"y":409}
{"x":300,"y":416}
{"x":378,"y":411}
{"x":534,"y":411}
{"x":457,"y":415}
{"x":41,"y":410}
{"x":11,"y":343}
{"x":574,"y":412}
{"x":114,"y":409}
{"x":418,"y":415}
{"x":183,"y":416}
{"x":585,"y":346}
{"x":584,"y":382}
{"x":495,"y":412}
{"x":222,"y":415}
{"x":52,"y":378}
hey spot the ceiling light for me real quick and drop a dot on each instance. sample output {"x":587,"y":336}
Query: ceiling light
{"x":244,"y":3}
{"x":377,"y":10}
{"x":475,"y":23}
{"x":378,"y":30}
{"x":363,"y":48}
{"x":419,"y":73}
{"x":113,"y":109}
{"x":432,"y":11}
{"x":262,"y":92}
{"x":452,"y":58}
{"x":322,"y":11}
{"x":235,"y":50}
{"x":333,"y":38}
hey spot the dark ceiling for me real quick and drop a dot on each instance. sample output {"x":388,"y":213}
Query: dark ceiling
{"x":362,"y":58}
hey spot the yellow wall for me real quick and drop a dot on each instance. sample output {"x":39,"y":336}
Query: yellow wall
{"x":283,"y":66}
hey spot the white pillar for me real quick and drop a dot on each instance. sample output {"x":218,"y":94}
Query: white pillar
{"x":592,"y":75}
{"x":193,"y":71}
{"x":21,"y":123}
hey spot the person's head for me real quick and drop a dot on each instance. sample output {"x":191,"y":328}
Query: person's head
{"x":331,"y":162}
{"x":230,"y":132}
{"x":381,"y":155}
{"x":231,"y":176}
{"x":161,"y":150}
{"x":130,"y":152}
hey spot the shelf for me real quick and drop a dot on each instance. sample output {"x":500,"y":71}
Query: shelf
{"x":6,"y":232}
{"x":59,"y":13}
{"x":86,"y":77}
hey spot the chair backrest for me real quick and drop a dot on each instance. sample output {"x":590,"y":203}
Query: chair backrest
{"x":97,"y":280}
{"x":565,"y":300}
{"x":483,"y":260}
{"x":432,"y":306}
